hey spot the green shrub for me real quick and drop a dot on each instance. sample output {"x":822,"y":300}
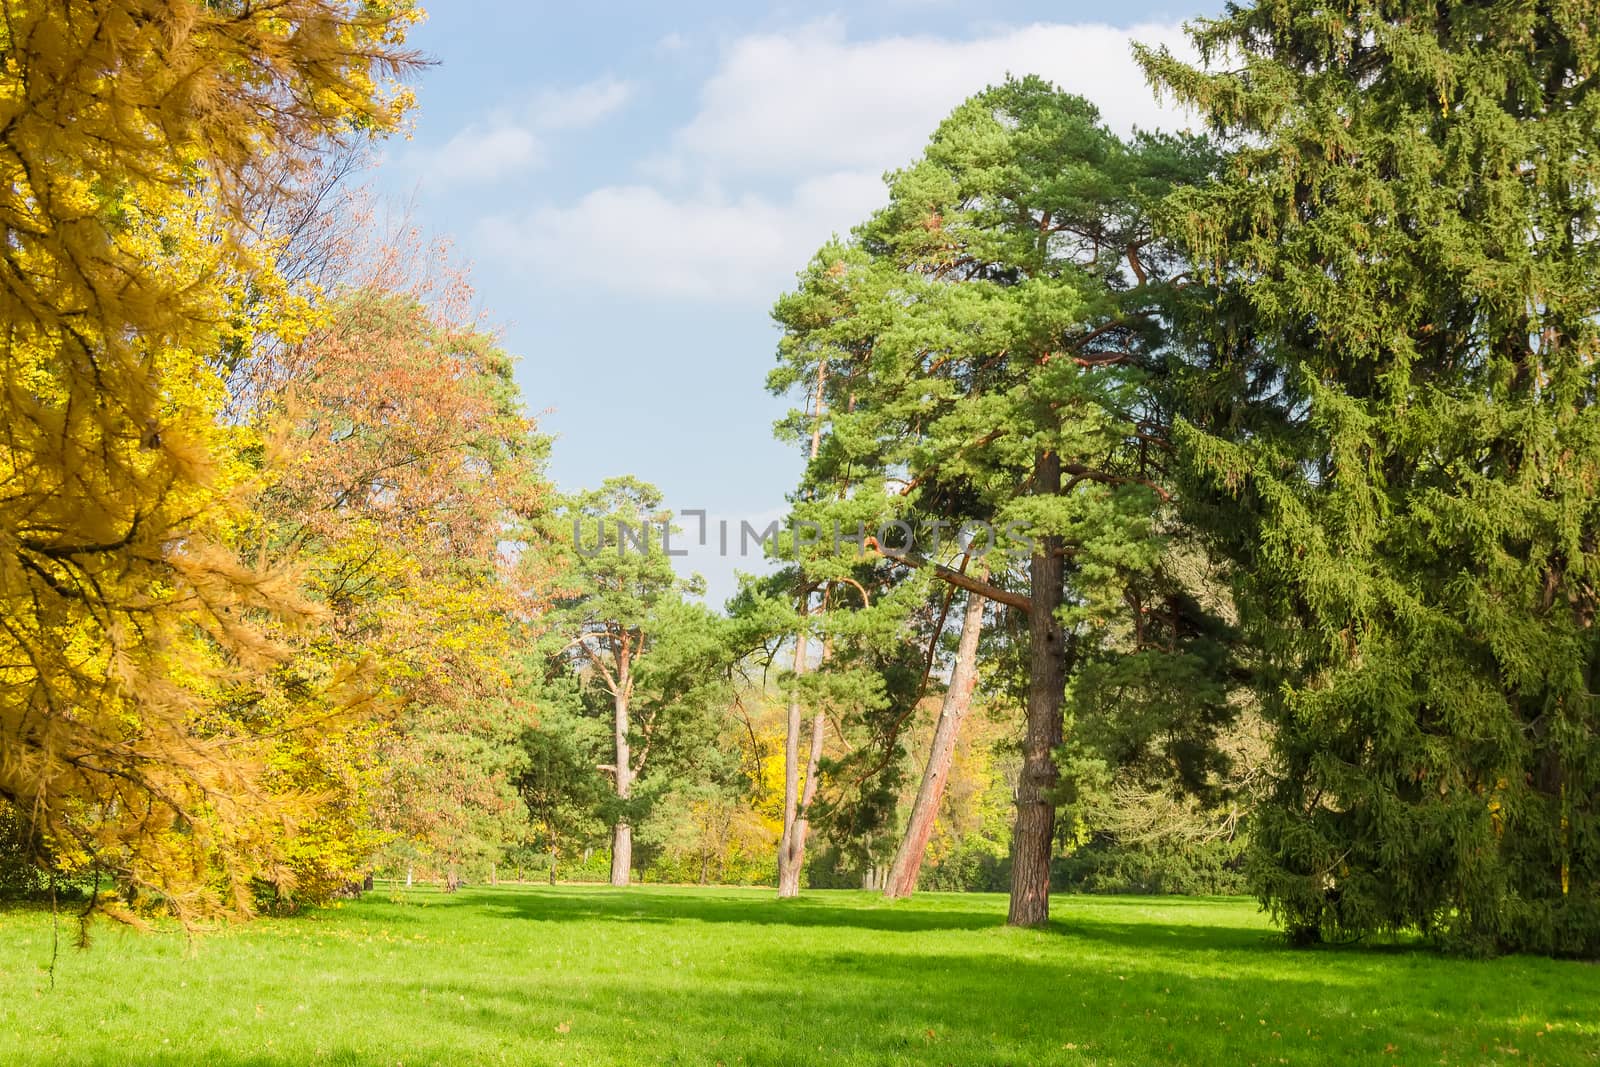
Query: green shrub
{"x":1107,"y":865}
{"x":976,"y":866}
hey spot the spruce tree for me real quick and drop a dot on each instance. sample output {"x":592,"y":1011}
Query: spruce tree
{"x":1391,"y":423}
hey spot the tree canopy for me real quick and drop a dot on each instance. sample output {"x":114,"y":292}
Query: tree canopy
{"x":1392,"y":427}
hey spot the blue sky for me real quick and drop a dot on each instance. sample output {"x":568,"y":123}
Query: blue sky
{"x":635,"y":183}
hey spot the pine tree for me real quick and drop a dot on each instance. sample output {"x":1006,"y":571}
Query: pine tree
{"x":992,"y":340}
{"x":645,"y":652}
{"x":1392,"y":422}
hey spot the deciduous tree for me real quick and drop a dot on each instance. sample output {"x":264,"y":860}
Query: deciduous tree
{"x":128,"y":131}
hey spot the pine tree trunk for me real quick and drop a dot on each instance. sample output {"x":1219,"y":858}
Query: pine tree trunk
{"x":792,"y":857}
{"x":794,"y":860}
{"x":902,"y":880}
{"x":1034,"y":833}
{"x":621,"y":854}
{"x":792,"y":845}
{"x":622,"y":833}
{"x":788,"y":877}
{"x":793,"y":827}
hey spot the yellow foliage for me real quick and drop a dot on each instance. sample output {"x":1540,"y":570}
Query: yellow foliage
{"x":130,"y":131}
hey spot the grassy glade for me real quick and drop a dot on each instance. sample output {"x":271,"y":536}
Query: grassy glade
{"x":590,"y":975}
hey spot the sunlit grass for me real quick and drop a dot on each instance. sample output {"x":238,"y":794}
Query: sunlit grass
{"x":588,"y":976}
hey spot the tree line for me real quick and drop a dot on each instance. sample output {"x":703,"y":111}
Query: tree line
{"x":1280,"y":434}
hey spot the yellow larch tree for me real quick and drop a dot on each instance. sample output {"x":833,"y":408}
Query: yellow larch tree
{"x":130,"y":137}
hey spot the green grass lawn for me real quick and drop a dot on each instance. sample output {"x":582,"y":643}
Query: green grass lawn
{"x":589,"y":976}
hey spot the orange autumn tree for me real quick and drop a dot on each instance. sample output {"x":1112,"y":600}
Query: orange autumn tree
{"x":408,"y":484}
{"x":130,"y":132}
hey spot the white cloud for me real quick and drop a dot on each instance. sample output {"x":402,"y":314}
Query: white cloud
{"x":583,"y":105}
{"x":813,"y":99}
{"x":483,"y":154}
{"x":512,"y":141}
{"x":790,"y":137}
{"x":704,"y":245}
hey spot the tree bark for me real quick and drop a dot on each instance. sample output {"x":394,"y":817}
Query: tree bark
{"x":792,"y":851}
{"x":622,"y":832}
{"x":792,"y":844}
{"x":621,"y":854}
{"x":1033,"y":836}
{"x":788,"y":873}
{"x":902,"y":879}
{"x":971,"y":583}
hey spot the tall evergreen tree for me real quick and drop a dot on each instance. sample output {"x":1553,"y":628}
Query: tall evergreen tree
{"x":1394,"y":403}
{"x":992,"y":333}
{"x":643,"y":650}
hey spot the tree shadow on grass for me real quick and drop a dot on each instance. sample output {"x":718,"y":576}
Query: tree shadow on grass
{"x":1074,"y":915}
{"x":920,"y":914}
{"x":633,"y":905}
{"x":1177,"y":936}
